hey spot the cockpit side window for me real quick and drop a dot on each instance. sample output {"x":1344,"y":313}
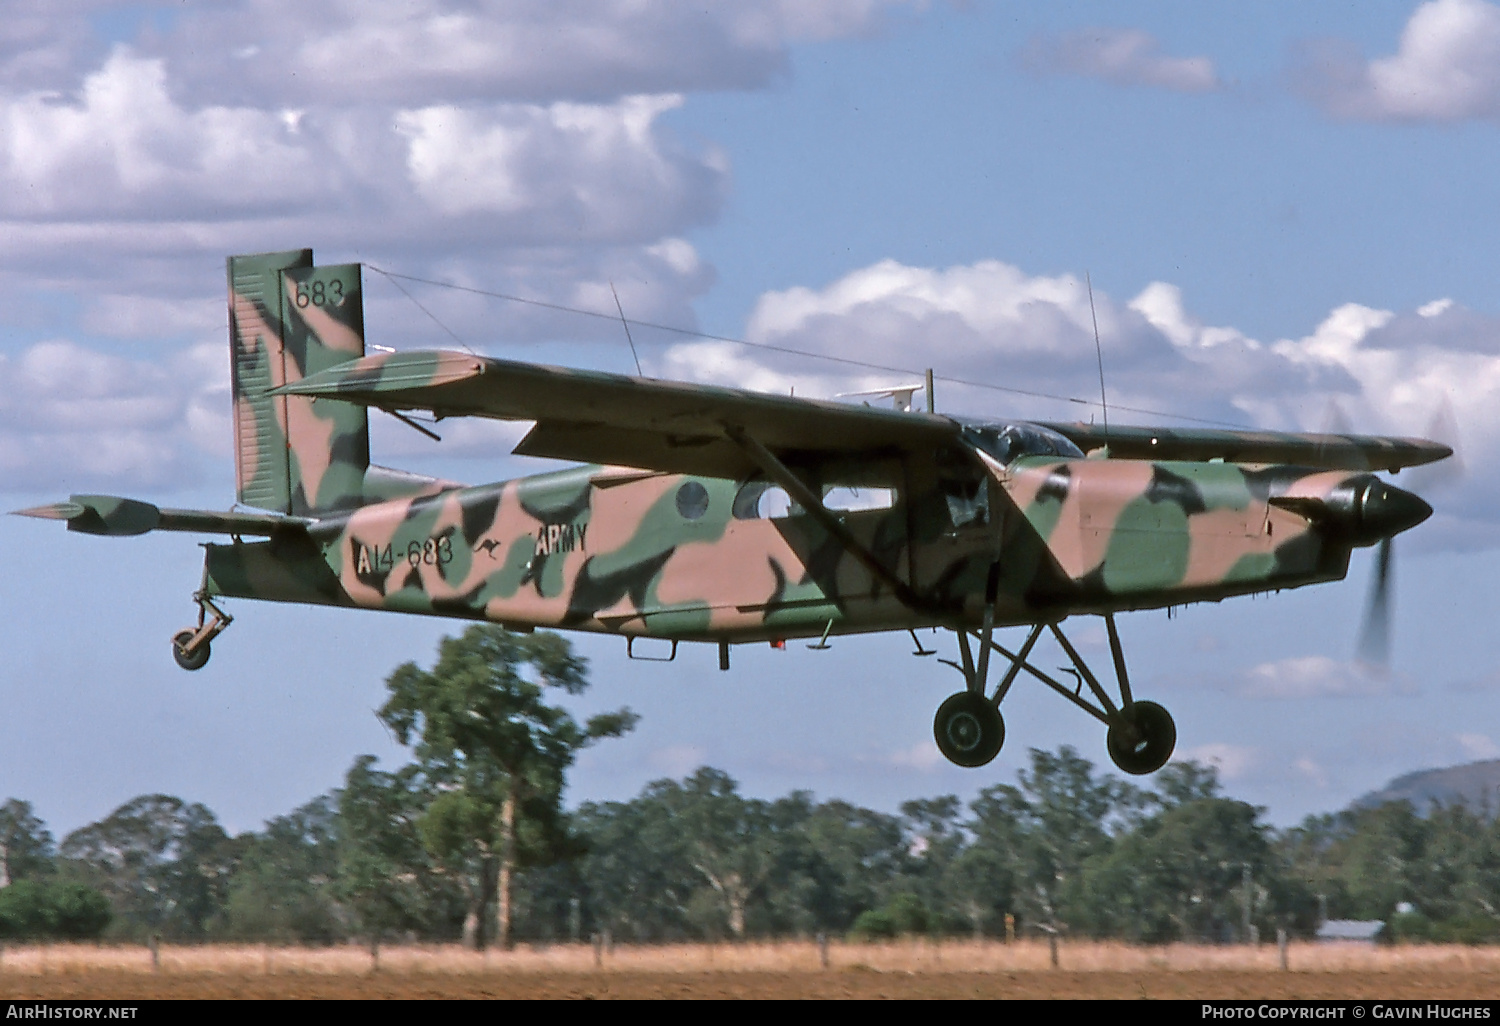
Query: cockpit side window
{"x":968,"y":500}
{"x":964,"y":487}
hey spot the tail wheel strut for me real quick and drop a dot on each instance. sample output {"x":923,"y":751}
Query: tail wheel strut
{"x":190,"y":646}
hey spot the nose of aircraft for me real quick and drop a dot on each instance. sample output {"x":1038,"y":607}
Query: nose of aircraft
{"x":1385,"y":510}
{"x":1363,"y":510}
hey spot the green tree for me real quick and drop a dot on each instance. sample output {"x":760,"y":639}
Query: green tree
{"x":1036,"y":838}
{"x":855,"y":856}
{"x":52,"y":908}
{"x":636,"y":878}
{"x":1202,"y":867}
{"x":283,"y":885}
{"x":164,"y":863}
{"x":937,"y":846}
{"x":26,"y":847}
{"x":1370,"y":862}
{"x":497,"y":753}
{"x":385,"y":875}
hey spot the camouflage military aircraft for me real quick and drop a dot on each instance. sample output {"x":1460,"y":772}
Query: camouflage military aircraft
{"x":726,"y":516}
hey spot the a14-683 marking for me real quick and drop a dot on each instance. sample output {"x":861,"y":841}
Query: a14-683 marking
{"x":371,"y":559}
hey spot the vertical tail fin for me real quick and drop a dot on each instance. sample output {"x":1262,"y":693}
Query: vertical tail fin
{"x":288,"y":319}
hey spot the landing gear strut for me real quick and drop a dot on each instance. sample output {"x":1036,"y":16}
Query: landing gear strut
{"x":969,"y":729}
{"x":190,"y":646}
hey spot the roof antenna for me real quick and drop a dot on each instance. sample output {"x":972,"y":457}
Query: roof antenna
{"x":1098,"y":352}
{"x":638,"y":372}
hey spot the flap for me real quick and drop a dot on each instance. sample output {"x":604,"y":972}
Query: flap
{"x":593,"y":417}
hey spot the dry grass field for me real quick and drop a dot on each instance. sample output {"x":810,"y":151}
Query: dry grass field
{"x":792,"y":969}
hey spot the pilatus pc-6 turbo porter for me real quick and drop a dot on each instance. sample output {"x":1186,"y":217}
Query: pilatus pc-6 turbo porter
{"x":725,"y":516}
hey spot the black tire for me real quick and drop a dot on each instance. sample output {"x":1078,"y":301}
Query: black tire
{"x":1148,"y":745}
{"x":194,"y":660}
{"x":968,"y":729}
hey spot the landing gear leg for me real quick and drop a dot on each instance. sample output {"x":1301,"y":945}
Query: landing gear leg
{"x":968,"y":727}
{"x":1141,"y":734}
{"x":190,"y":646}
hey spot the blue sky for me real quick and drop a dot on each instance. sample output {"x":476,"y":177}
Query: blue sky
{"x":1287,"y":211}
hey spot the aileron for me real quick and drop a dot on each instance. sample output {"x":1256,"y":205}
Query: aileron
{"x":1335,"y":452}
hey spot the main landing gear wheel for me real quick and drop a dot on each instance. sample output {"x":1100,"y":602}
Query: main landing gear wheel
{"x":968,"y":729}
{"x":1144,"y":743}
{"x":195,"y":659}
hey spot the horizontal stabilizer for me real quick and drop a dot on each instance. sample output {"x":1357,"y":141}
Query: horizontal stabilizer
{"x":117,"y":517}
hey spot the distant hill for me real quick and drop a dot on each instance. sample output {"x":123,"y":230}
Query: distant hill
{"x":1474,"y":785}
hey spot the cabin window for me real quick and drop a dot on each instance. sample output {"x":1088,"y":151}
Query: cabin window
{"x":855,"y":497}
{"x":762,"y":500}
{"x":692,"y":500}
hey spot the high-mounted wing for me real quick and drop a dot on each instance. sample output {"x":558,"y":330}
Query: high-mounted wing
{"x":1335,"y":452}
{"x":593,"y":417}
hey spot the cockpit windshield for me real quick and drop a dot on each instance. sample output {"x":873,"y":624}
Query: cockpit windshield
{"x":1005,"y":442}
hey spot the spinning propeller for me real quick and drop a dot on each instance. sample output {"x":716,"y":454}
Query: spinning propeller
{"x":1375,"y":633}
{"x":1374,"y":648}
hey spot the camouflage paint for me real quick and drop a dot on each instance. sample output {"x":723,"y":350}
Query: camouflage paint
{"x":690,"y":555}
{"x":623,"y":551}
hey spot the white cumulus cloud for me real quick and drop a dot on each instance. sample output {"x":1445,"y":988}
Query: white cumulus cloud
{"x":1447,"y":68}
{"x":438,"y":51}
{"x":1316,"y":677}
{"x":923,"y":757}
{"x":1232,"y":761}
{"x":122,"y":145}
{"x":67,"y":411}
{"x":1429,"y":372}
{"x":1478,"y":746}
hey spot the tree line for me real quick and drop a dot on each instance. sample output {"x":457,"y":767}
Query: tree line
{"x":470,"y":842}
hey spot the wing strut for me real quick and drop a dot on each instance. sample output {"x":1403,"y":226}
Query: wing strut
{"x":813,"y":504}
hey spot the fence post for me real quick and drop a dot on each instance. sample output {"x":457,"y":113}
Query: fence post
{"x":1281,"y":946}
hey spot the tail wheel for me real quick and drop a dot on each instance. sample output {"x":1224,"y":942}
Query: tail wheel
{"x":968,"y":729}
{"x":194,"y":659}
{"x":1144,"y":741}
